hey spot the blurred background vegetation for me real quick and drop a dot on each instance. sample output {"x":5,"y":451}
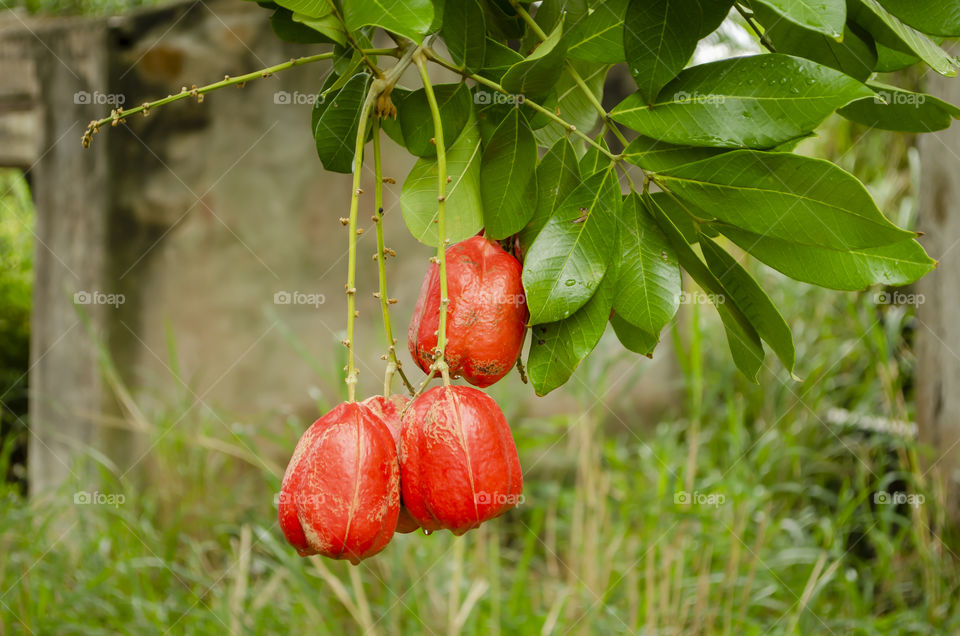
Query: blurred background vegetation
{"x":797,"y":545}
{"x":16,"y":273}
{"x":75,"y":7}
{"x":795,"y":542}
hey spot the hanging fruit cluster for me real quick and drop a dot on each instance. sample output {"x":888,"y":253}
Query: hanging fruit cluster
{"x":445,"y":460}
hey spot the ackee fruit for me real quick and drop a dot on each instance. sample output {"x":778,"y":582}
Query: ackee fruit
{"x":340,"y":495}
{"x":458,"y":462}
{"x":486,"y":317}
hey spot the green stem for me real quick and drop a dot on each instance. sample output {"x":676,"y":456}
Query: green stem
{"x":577,"y":78}
{"x":433,"y":57}
{"x":604,"y":116}
{"x":351,"y":288}
{"x":119,"y":115}
{"x":439,"y":363}
{"x":394,"y":364}
{"x":748,"y":17}
{"x":353,"y":42}
{"x":525,"y":16}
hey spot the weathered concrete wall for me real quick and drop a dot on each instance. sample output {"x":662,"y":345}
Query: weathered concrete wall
{"x":43,"y":68}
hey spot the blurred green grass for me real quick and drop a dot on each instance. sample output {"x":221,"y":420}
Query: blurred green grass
{"x":600,"y":544}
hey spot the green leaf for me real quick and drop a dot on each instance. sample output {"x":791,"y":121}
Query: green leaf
{"x":409,"y":18}
{"x":684,"y":219}
{"x":712,"y":15}
{"x":346,"y":60}
{"x":648,"y":288}
{"x":322,"y":103}
{"x":854,"y":55}
{"x":439,"y":9}
{"x":593,"y":159}
{"x":752,"y":301}
{"x":537,"y":73}
{"x":559,"y":347}
{"x":899,"y":263}
{"x":888,"y":30}
{"x":506,"y":177}
{"x":785,"y":196}
{"x":308,"y":8}
{"x":634,"y":338}
{"x":598,"y":36}
{"x":328,"y":25}
{"x":503,"y":21}
{"x":558,"y":174}
{"x":791,"y":144}
{"x":936,"y":17}
{"x":756,"y":102}
{"x":742,"y":338}
{"x":659,"y":36}
{"x":413,"y":114}
{"x":464,"y":32}
{"x":898,"y":109}
{"x":571,"y":253}
{"x":574,"y":106}
{"x":889,"y":60}
{"x":335,"y":129}
{"x":657,"y":156}
{"x":464,"y":207}
{"x":823,"y":16}
{"x":497,"y":59}
{"x":549,"y":14}
{"x":288,"y":30}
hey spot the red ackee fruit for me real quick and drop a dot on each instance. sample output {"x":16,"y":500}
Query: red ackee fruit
{"x":486,"y":317}
{"x":459,"y":463}
{"x":389,"y":409}
{"x":340,"y":495}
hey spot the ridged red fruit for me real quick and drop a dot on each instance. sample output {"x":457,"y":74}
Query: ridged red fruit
{"x":389,"y":409}
{"x":458,"y":461}
{"x":340,"y":495}
{"x":486,"y":317}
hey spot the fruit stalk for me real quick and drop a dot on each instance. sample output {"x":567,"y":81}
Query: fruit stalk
{"x":439,"y":362}
{"x":393,"y":364}
{"x":351,"y":288}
